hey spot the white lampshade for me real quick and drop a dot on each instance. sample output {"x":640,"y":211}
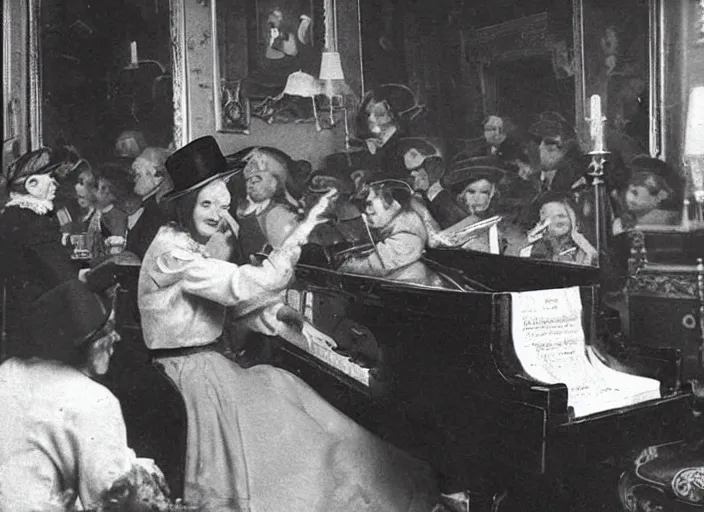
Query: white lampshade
{"x":302,"y":84}
{"x":694,"y":135}
{"x":331,"y":67}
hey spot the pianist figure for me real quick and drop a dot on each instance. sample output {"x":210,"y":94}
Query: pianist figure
{"x":556,"y":236}
{"x":399,"y":235}
{"x":258,"y":438}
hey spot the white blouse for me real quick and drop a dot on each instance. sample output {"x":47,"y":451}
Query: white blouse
{"x":183,"y":292}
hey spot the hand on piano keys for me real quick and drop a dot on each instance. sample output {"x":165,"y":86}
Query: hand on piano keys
{"x":315,"y":337}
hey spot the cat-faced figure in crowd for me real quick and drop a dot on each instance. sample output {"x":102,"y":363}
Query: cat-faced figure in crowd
{"x":424,"y":162}
{"x":499,"y":135}
{"x":269,"y":211}
{"x":474,"y":183}
{"x":399,"y":235}
{"x":557,"y":236}
{"x":385,"y":116}
{"x":559,"y":155}
{"x":46,"y":461}
{"x":648,"y":196}
{"x":151,"y":182}
{"x":30,"y":241}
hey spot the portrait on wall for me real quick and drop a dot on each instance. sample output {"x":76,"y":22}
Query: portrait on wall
{"x":259,"y":44}
{"x":617,"y":68}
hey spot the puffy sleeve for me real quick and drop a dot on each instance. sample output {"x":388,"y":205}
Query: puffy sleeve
{"x":221,"y":281}
{"x":100,"y":438}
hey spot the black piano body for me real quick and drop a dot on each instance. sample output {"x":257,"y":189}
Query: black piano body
{"x":434,"y":371}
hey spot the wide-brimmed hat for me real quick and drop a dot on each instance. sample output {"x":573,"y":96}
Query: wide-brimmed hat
{"x":195,"y":165}
{"x":31,"y":163}
{"x":65,"y":318}
{"x":552,"y":124}
{"x":469,"y":170}
{"x":397,"y":100}
{"x":646,"y":163}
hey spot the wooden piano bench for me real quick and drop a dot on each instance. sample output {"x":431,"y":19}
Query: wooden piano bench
{"x":665,"y":478}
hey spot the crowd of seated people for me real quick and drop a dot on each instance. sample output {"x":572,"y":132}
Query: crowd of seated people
{"x":250,"y":226}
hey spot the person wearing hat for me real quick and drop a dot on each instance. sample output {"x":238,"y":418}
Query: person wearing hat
{"x":383,"y":119}
{"x":258,"y":438}
{"x":475,"y":184}
{"x":398,"y":234}
{"x":560,"y":159}
{"x":151,"y":182}
{"x":33,"y":259}
{"x":269,"y":212}
{"x":425,"y":164}
{"x":648,"y":194}
{"x":347,"y":226}
{"x":557,"y":236}
{"x":63,"y":434}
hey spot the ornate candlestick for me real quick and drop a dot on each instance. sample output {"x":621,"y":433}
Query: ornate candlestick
{"x":596,"y":173}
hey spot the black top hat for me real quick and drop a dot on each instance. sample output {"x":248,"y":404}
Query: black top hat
{"x":465,"y":172}
{"x":66,"y":317}
{"x":35,"y":162}
{"x":195,"y":165}
{"x":552,"y":124}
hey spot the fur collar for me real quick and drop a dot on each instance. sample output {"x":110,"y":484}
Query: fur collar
{"x":28,"y":202}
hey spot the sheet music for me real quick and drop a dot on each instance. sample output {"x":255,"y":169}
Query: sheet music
{"x":550,"y":344}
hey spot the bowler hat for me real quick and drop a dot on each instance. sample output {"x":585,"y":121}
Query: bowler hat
{"x":552,"y":124}
{"x":464,"y":172}
{"x":195,"y":165}
{"x":66,"y":317}
{"x":31,"y":163}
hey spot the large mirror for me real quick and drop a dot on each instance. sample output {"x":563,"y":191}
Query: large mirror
{"x":280,"y":62}
{"x":100,"y":69}
{"x":621,"y":54}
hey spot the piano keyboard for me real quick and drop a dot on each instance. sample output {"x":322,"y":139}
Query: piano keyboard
{"x":329,"y":357}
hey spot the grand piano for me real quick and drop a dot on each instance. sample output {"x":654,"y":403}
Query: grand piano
{"x":434,"y":371}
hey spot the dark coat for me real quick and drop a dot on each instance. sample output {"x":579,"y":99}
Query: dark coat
{"x":146,"y":227}
{"x":444,"y":210}
{"x":33,"y":262}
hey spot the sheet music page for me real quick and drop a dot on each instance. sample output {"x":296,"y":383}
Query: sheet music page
{"x":550,"y":344}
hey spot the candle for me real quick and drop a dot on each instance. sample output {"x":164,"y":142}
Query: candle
{"x":133,"y":53}
{"x":596,"y":124}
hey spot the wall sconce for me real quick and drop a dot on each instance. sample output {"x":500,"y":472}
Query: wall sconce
{"x":694,"y":147}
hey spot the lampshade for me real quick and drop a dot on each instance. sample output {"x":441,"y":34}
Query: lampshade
{"x":694,"y":136}
{"x":302,"y":84}
{"x":331,"y":67}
